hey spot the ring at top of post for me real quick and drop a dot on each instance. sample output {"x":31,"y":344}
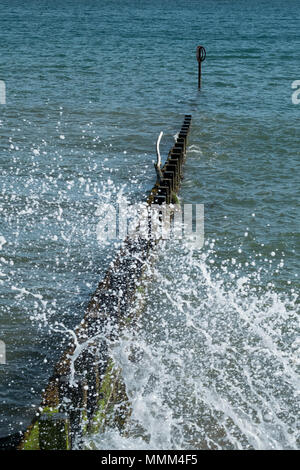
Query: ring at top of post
{"x":201,"y":53}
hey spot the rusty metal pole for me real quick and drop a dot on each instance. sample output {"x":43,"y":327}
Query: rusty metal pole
{"x":200,"y":54}
{"x":199,"y":74}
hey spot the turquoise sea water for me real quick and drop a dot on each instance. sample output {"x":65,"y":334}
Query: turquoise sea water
{"x":89,"y":86}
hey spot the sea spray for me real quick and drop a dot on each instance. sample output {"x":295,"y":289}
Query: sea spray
{"x":215,"y":358}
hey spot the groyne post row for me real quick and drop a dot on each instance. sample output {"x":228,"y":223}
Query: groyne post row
{"x":86,"y":392}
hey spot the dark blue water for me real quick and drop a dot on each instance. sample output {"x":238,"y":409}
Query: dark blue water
{"x":89,"y":86}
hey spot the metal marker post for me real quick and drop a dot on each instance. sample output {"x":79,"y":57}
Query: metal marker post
{"x":201,"y":55}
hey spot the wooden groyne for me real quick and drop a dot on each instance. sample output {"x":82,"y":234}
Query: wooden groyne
{"x":86,"y":392}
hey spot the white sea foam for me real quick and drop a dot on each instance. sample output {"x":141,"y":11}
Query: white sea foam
{"x":216,"y":368}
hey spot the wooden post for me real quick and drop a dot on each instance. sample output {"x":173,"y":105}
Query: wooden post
{"x":54,"y":431}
